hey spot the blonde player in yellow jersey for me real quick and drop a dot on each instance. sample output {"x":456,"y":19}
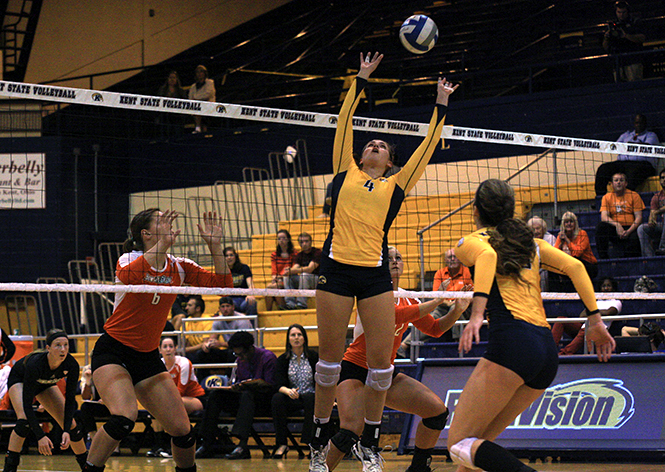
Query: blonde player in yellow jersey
{"x":354,"y":264}
{"x":521,"y":360}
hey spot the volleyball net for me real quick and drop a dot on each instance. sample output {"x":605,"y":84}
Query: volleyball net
{"x":78,"y":164}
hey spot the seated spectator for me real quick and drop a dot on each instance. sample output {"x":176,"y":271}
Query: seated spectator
{"x":576,"y":330}
{"x":635,"y":167}
{"x":539,"y":228}
{"x":652,"y":233}
{"x":171,"y":123}
{"x":621,"y":215}
{"x":171,"y":88}
{"x":304,"y":274}
{"x":204,"y":90}
{"x":242,"y":278}
{"x":575,"y":242}
{"x":651,"y":329}
{"x":250,"y":393}
{"x":282,"y":258}
{"x":215,"y":350}
{"x":294,"y":376}
{"x":195,"y":308}
{"x":182,"y":372}
{"x":455,"y":277}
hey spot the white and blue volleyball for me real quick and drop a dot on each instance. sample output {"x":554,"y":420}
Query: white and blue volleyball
{"x":418,"y":34}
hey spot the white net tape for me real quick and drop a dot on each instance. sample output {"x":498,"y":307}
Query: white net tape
{"x":323,"y":120}
{"x":100,"y":288}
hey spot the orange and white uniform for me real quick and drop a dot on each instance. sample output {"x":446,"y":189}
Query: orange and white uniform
{"x":138,"y":319}
{"x":407,"y":310}
{"x":183,"y":375}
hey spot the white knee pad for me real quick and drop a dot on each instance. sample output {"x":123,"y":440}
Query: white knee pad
{"x":460,"y":453}
{"x":380,"y":379}
{"x":327,"y":373}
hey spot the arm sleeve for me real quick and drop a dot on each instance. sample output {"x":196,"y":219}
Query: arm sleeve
{"x":475,"y":252}
{"x":407,"y":313}
{"x":71,"y":406}
{"x":8,"y":348}
{"x":415,"y":166}
{"x":438,"y":280}
{"x":343,"y":146}
{"x":558,"y":261}
{"x":429,"y":325}
{"x":654,"y":204}
{"x":268,"y":373}
{"x":29,"y":384}
{"x":200,"y":277}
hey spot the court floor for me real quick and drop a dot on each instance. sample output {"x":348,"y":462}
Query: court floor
{"x":394,"y":463}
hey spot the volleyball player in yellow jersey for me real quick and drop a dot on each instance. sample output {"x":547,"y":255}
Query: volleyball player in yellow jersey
{"x":354,"y":264}
{"x":521,"y":360}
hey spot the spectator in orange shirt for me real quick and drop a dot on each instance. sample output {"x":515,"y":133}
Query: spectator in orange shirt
{"x":575,"y":242}
{"x":621,"y":215}
{"x":455,"y":277}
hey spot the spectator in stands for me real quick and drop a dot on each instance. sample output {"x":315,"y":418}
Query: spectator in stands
{"x":405,"y":394}
{"x":624,"y":35}
{"x":171,"y":88}
{"x":215,"y":350}
{"x":576,"y":330}
{"x":637,"y":168}
{"x":539,"y":228}
{"x":575,"y":242}
{"x":242,"y":278}
{"x":204,"y":90}
{"x":250,"y":392}
{"x":195,"y":308}
{"x":621,"y":215}
{"x":170,"y":123}
{"x":304,"y":273}
{"x":652,"y":233}
{"x":455,"y":277}
{"x":294,"y":377}
{"x":282,"y":258}
{"x":35,"y":377}
{"x":182,"y":372}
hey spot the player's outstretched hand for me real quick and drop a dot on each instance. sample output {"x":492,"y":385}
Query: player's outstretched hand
{"x":211,"y":231}
{"x":443,"y":90}
{"x":368,"y":64}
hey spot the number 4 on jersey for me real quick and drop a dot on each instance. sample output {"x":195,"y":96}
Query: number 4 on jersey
{"x":369,"y":185}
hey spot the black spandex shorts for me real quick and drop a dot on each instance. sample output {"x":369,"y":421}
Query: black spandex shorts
{"x":17,"y":375}
{"x":140,"y":365}
{"x":526,"y":349}
{"x":353,"y":281}
{"x":354,"y":371}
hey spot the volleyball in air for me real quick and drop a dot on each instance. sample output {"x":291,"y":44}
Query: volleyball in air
{"x":418,"y":34}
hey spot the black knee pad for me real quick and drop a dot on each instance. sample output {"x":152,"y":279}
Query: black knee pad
{"x":88,"y":467}
{"x":185,"y":469}
{"x":437,"y":422}
{"x":119,"y":427}
{"x":22,"y":428}
{"x":184,"y":442}
{"x":76,"y":434}
{"x":344,"y":440}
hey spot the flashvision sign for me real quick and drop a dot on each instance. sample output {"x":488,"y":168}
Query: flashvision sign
{"x":590,"y":406}
{"x":581,"y":404}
